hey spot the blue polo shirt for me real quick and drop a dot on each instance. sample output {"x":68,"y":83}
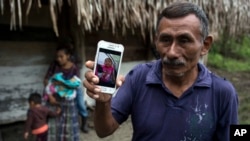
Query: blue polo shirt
{"x":203,"y":113}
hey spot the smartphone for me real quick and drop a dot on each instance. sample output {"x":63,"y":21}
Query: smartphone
{"x":107,"y":65}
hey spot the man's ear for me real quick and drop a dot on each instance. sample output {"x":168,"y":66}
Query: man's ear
{"x":206,"y":45}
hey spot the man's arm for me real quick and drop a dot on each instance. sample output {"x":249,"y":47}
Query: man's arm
{"x":228,"y":115}
{"x":105,"y":124}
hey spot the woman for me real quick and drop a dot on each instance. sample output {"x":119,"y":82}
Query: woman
{"x":66,"y":127}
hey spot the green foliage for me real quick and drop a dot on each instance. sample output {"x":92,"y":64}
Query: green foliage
{"x":231,"y":55}
{"x":228,"y":64}
{"x":243,"y":49}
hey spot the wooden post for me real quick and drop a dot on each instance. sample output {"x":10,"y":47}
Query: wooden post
{"x":78,"y":38}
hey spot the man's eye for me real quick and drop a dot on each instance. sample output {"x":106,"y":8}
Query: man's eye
{"x":184,"y":40}
{"x":166,"y":39}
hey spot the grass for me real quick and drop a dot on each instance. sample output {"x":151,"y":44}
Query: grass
{"x":228,"y":64}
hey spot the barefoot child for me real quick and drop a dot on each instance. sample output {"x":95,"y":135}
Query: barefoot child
{"x":37,"y":118}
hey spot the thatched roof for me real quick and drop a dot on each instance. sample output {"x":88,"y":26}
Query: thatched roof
{"x":232,"y":15}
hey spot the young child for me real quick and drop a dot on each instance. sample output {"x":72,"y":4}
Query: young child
{"x":37,"y":118}
{"x":108,"y":69}
{"x":65,"y":88}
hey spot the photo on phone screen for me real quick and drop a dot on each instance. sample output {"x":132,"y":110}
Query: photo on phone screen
{"x":108,"y":62}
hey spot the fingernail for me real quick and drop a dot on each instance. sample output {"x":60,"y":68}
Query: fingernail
{"x":97,"y":90}
{"x":94,"y":79}
{"x":96,"y":96}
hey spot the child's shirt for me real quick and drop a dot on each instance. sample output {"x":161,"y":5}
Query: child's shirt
{"x":37,"y":118}
{"x":107,"y":73}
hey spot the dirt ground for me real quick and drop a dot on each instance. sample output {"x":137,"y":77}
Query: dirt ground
{"x":124,"y":133}
{"x":241,"y":81}
{"x":14,"y":132}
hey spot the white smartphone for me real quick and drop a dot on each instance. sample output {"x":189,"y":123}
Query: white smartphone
{"x":107,"y":65}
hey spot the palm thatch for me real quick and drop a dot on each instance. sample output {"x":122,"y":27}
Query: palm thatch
{"x":230,"y":15}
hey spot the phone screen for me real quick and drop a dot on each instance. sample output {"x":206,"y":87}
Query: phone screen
{"x":108,"y":62}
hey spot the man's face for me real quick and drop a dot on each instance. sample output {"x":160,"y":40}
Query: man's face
{"x":179,"y":43}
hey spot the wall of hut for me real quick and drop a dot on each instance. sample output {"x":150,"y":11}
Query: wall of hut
{"x":26,"y":53}
{"x":24,"y":57}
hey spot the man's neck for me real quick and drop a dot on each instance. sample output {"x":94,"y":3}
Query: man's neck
{"x":179,"y":84}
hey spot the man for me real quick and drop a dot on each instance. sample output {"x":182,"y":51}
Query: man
{"x":174,"y":98}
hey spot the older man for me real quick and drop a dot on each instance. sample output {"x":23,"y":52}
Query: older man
{"x":175,"y":98}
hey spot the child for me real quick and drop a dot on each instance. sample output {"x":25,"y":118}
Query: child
{"x":37,"y":118}
{"x":107,"y":71}
{"x":65,"y":88}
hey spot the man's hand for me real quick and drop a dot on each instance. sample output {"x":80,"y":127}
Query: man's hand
{"x":93,"y":90}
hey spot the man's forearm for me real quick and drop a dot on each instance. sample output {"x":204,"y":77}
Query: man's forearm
{"x":105,"y":124}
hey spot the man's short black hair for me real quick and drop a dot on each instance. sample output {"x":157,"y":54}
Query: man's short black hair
{"x":35,"y":97}
{"x":181,"y":9}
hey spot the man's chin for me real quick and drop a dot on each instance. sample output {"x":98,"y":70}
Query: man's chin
{"x":174,"y":74}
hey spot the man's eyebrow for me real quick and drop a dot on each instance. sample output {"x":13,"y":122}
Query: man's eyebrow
{"x":164,"y":35}
{"x":185,"y":35}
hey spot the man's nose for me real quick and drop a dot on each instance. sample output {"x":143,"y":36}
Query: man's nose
{"x":173,"y":51}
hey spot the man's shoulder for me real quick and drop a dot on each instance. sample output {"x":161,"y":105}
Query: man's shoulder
{"x":221,"y":83}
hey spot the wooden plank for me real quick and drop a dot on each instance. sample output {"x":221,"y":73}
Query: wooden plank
{"x":27,"y":34}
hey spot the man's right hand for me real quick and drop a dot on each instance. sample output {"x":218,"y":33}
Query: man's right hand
{"x":93,"y":90}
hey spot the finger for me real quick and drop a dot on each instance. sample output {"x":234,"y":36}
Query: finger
{"x":93,"y":95}
{"x":90,"y":64}
{"x":92,"y":90}
{"x":120,"y":80}
{"x":91,"y":87}
{"x":91,"y":77}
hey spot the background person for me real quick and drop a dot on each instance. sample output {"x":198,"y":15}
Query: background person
{"x":37,"y":118}
{"x":65,"y":63}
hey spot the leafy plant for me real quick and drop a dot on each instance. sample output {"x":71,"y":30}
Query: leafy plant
{"x":231,"y":54}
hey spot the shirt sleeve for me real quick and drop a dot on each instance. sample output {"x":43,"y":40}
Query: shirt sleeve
{"x":121,"y":103}
{"x":51,"y":113}
{"x":228,"y":113}
{"x":29,"y":121}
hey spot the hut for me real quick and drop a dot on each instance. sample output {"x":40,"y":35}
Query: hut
{"x":31,"y":30}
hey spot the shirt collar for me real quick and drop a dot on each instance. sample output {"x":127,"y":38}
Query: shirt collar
{"x":154,"y":76}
